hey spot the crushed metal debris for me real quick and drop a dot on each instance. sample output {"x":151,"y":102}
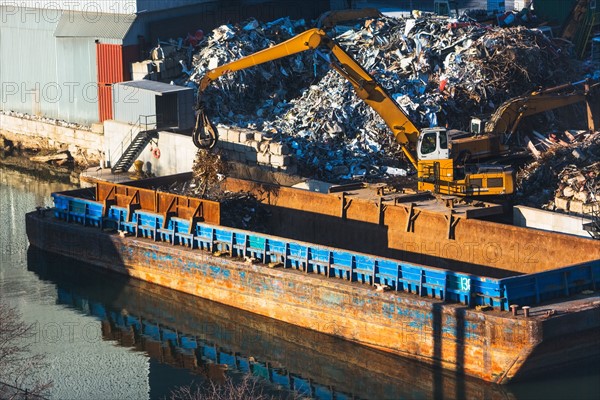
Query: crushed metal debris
{"x":565,"y":176}
{"x":238,"y":210}
{"x":440,"y":73}
{"x":208,"y":170}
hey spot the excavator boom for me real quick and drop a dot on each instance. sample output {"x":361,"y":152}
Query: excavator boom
{"x":366,"y":87}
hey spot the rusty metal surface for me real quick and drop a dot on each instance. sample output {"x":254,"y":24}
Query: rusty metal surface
{"x":490,"y":346}
{"x":440,"y":239}
{"x":124,"y":195}
{"x":469,"y":245}
{"x":322,"y":359}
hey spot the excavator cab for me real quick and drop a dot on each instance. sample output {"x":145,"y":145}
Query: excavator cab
{"x":433,"y":144}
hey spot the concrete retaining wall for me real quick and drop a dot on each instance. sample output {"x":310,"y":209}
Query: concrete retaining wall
{"x":85,"y":146}
{"x":549,"y":221}
{"x":177,"y":151}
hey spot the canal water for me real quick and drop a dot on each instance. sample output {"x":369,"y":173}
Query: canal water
{"x":105,"y":336}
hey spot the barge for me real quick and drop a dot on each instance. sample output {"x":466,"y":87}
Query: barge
{"x":421,"y":280}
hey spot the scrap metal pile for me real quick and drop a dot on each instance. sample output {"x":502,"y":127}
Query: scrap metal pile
{"x":233,"y":99}
{"x":566,"y":176}
{"x":440,"y":73}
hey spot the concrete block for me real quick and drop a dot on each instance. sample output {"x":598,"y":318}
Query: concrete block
{"x":233,"y":136}
{"x":254,"y":145}
{"x":280,"y":161}
{"x":98,"y":128}
{"x":568,"y":191}
{"x":561,"y":203}
{"x":549,"y":220}
{"x":576,"y":206}
{"x":246,"y":136}
{"x":142,"y":67}
{"x":258,"y":136}
{"x":279,"y":149}
{"x":263,"y":158}
{"x":223,"y":134}
{"x":581,"y":196}
{"x":263,"y":147}
{"x":591,"y":208}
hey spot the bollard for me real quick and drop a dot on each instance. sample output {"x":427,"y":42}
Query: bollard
{"x":526,"y":311}
{"x":513,"y":308}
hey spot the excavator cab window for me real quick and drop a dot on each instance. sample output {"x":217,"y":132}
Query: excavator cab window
{"x":443,"y":140}
{"x":428,"y":144}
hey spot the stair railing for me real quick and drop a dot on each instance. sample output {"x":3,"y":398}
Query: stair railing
{"x":144,"y":123}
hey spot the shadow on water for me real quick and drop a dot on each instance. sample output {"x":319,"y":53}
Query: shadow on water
{"x":211,"y":340}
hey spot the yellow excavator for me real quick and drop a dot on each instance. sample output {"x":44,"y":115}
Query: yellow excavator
{"x":434,"y":152}
{"x":507,"y":117}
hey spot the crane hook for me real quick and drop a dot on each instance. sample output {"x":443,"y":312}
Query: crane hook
{"x":205,"y":133}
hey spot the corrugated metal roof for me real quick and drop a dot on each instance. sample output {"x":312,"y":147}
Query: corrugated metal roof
{"x":97,"y":25}
{"x":154,"y":86}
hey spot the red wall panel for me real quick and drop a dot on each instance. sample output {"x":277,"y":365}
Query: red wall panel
{"x":105,"y":102}
{"x":110,"y":63}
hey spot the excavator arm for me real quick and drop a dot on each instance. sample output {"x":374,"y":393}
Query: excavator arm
{"x":366,"y":87}
{"x":507,"y":117}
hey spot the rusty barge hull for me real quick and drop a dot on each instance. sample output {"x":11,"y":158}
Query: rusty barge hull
{"x":131,"y":310}
{"x":494,"y":346}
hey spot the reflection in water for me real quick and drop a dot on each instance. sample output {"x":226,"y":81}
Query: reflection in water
{"x":211,"y":340}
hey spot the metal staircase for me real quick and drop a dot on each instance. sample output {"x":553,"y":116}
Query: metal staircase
{"x":132,"y":146}
{"x":135,"y":148}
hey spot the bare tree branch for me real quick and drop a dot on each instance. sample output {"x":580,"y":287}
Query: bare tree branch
{"x":16,"y":361}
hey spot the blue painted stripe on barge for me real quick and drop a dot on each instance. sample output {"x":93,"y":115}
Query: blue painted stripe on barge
{"x":402,"y":276}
